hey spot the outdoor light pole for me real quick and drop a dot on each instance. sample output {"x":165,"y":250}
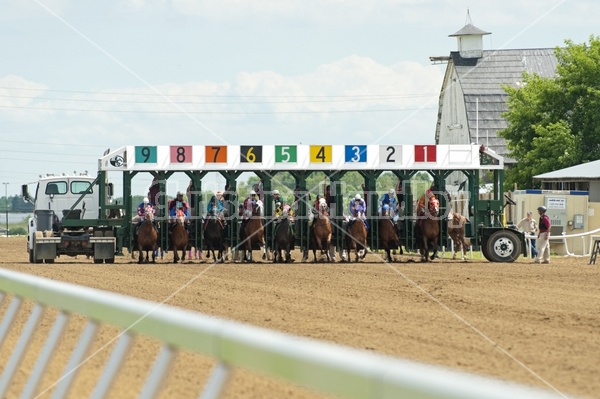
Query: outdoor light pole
{"x":6,"y":204}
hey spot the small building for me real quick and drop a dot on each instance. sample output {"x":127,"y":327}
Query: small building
{"x":584,"y":177}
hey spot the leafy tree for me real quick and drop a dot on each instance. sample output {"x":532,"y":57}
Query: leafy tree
{"x":554,"y":123}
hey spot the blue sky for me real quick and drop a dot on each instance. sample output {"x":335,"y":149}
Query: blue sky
{"x":78,"y":77}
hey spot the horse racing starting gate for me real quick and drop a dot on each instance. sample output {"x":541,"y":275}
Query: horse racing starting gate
{"x":498,"y":242}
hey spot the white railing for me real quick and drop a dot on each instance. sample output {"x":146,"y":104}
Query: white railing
{"x":342,"y":371}
{"x":563,"y":238}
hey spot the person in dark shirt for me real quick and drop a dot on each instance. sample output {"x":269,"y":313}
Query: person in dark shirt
{"x":543,"y":244}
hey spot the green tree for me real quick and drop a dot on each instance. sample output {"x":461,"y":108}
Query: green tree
{"x":554,"y":123}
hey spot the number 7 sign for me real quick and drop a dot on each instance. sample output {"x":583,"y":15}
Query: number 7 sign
{"x":425,"y":153}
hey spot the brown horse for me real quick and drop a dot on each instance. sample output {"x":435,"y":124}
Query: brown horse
{"x":284,"y":239}
{"x":356,"y":239}
{"x":456,"y":231}
{"x":214,"y":237}
{"x":179,"y":237}
{"x":320,"y":234}
{"x":427,"y":231}
{"x":389,"y":234}
{"x":253,"y":234}
{"x":147,"y":237}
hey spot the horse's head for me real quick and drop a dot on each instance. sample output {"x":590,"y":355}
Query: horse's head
{"x":149,"y":213}
{"x":180,"y":217}
{"x":434,"y":206}
{"x":255,"y":208}
{"x":385,"y":210}
{"x":323,"y":208}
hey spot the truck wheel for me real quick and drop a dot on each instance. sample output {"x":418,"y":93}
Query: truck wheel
{"x":49,"y":260}
{"x":98,"y":260}
{"x":503,"y":246}
{"x":30,"y":255}
{"x":111,"y":260}
{"x":33,"y":251}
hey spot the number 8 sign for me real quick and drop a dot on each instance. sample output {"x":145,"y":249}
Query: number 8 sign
{"x":180,"y":154}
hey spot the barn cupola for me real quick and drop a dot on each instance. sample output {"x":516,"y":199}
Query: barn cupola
{"x":470,"y":40}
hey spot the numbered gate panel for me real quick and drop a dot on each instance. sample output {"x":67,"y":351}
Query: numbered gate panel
{"x":293,"y":157}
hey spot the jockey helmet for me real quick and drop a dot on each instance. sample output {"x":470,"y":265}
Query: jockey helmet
{"x":277,"y":204}
{"x":146,"y":200}
{"x":275,"y":192}
{"x":357,"y":197}
{"x":179,"y":193}
{"x":252,"y":192}
{"x":542,"y":209}
{"x":391,"y":191}
{"x":322,"y":201}
{"x":219,"y":192}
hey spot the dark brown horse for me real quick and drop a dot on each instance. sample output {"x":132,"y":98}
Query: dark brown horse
{"x":284,"y":239}
{"x":456,"y":231}
{"x":320,"y":234}
{"x":179,"y":237}
{"x":389,"y":233}
{"x":356,"y":239}
{"x":214,"y":237}
{"x":147,"y":237}
{"x":253,"y":235}
{"x":427,"y":231}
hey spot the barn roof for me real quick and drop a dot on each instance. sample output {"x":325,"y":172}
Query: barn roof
{"x":583,"y":172}
{"x":481,"y":80}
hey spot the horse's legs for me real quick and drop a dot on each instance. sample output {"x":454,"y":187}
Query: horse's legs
{"x":154,"y":256}
{"x":141,"y":255}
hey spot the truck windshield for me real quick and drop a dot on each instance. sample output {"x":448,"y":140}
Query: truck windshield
{"x":56,"y":187}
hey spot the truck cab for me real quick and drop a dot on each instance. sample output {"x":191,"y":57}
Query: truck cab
{"x":65,"y":219}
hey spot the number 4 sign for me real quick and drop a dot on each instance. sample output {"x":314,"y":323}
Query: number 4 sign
{"x":425,"y":153}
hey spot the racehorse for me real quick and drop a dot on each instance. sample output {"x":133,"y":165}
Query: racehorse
{"x":427,"y":231}
{"x":456,"y":231}
{"x":320,"y":236}
{"x":147,"y":237}
{"x":389,"y":233}
{"x":253,"y":233}
{"x":284,"y":239}
{"x":179,"y":237}
{"x":214,"y":237}
{"x":356,"y":239}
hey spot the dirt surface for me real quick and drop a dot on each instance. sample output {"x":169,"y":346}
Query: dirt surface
{"x":535,"y":324}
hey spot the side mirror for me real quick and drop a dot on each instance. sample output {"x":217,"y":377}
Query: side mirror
{"x":25,"y":193}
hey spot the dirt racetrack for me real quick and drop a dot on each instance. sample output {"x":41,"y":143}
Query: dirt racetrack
{"x":535,"y":324}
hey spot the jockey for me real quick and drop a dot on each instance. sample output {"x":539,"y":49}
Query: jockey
{"x":424,"y":200}
{"x":358,"y":209}
{"x":389,"y":200}
{"x":250,"y":200}
{"x":144,"y":207}
{"x":177,"y":203}
{"x":278,"y":202}
{"x":142,"y":210}
{"x":215,"y":205}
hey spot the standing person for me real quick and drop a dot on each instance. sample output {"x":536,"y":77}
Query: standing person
{"x":543,"y":237}
{"x":529,"y":226}
{"x":191,"y":196}
{"x":154,"y":190}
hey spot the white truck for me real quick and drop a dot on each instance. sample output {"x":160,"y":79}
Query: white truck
{"x":66,"y":220}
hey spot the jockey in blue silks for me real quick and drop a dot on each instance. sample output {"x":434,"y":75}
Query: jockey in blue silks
{"x":388,"y":201}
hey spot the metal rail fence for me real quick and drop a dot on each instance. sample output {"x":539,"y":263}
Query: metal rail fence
{"x":329,"y":368}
